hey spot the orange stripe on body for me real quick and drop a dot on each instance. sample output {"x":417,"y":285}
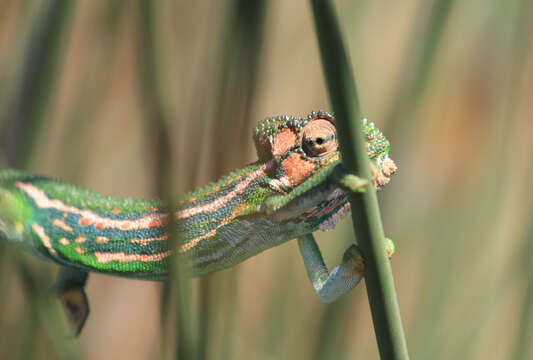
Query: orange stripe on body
{"x":146,"y":241}
{"x":188,"y":245}
{"x":222,"y":201}
{"x":61,"y":224}
{"x":101,"y":239}
{"x":44,"y":238}
{"x":236,"y":212}
{"x":88,"y":217}
{"x":121,"y":257}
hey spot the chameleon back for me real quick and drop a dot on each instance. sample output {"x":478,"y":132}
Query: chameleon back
{"x":289,"y":192}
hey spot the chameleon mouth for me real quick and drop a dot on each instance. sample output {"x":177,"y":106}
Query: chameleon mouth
{"x":340,"y":206}
{"x":326,"y":203}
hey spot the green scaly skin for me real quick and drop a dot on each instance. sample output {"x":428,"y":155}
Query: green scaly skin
{"x":295,"y":188}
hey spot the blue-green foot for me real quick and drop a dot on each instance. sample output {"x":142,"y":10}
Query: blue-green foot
{"x":343,"y":278}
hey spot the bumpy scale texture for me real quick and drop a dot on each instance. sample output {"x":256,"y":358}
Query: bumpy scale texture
{"x":287,"y":193}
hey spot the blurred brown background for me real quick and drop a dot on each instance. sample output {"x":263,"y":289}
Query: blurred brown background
{"x":449,"y":82}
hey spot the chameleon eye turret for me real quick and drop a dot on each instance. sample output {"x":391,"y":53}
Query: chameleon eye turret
{"x":308,"y":144}
{"x":319,"y":138}
{"x":296,"y":187}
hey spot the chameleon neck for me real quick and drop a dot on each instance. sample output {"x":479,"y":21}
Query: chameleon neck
{"x":126,"y":237}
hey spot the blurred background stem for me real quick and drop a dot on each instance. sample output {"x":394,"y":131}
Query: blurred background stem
{"x":37,"y":83}
{"x":23,"y":126}
{"x":235,"y":88}
{"x":176,"y":291}
{"x":424,"y":41}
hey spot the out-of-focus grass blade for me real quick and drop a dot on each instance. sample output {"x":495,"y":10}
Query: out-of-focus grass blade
{"x":88,"y":105}
{"x":44,"y":310}
{"x":157,"y":128}
{"x":423,"y":46}
{"x":36,"y":88}
{"x":240,"y":54}
{"x":522,"y":348}
{"x":330,"y":330}
{"x":488,"y":202}
{"x":524,"y":331}
{"x":23,"y":123}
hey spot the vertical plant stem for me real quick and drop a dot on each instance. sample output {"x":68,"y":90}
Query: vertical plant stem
{"x":158,"y":128}
{"x":365,"y":210}
{"x":423,"y":45}
{"x":522,"y":346}
{"x":523,"y":270}
{"x":329,"y":331}
{"x":25,"y":117}
{"x":29,"y":106}
{"x":240,"y":56}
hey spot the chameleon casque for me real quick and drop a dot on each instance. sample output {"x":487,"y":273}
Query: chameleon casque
{"x":296,"y":187}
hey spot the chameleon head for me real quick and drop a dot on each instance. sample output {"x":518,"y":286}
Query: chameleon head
{"x":303,"y":153}
{"x":301,"y":147}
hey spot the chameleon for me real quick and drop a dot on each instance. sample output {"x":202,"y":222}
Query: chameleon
{"x":296,"y":187}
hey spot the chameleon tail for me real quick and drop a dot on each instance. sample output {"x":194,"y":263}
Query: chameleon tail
{"x":82,"y":229}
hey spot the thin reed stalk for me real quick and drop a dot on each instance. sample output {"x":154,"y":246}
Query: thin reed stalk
{"x":36,"y":88}
{"x":25,"y":117}
{"x":157,"y":127}
{"x":365,"y":210}
{"x":240,"y":57}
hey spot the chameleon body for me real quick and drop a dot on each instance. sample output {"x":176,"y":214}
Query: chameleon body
{"x":296,"y":187}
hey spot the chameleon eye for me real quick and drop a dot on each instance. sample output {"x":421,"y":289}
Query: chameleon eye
{"x":319,"y":138}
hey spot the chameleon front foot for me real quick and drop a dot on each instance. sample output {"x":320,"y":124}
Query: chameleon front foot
{"x":343,"y":278}
{"x":70,"y":291}
{"x":330,"y":286}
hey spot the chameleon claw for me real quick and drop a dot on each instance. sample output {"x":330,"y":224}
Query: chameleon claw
{"x":70,"y":291}
{"x":76,"y":306}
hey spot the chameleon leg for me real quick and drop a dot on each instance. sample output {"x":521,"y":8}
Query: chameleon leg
{"x":69,"y":286}
{"x":343,"y":278}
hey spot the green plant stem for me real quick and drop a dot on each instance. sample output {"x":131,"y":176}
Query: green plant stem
{"x":25,"y":118}
{"x":236,"y":82}
{"x":424,"y":43}
{"x":365,"y":210}
{"x":158,"y":128}
{"x":36,"y":88}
